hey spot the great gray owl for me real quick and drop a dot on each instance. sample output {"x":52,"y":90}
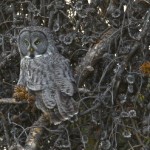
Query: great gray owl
{"x":46,"y":73}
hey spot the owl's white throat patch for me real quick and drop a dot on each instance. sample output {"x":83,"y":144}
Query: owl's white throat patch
{"x":36,"y":56}
{"x":27,"y":57}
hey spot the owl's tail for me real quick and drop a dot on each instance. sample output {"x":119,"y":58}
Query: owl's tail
{"x":62,"y":108}
{"x":65,"y":109}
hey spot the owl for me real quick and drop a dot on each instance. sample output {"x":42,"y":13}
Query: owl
{"x":46,"y":74}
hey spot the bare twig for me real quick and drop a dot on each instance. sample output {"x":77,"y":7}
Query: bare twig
{"x":11,"y":101}
{"x":5,"y":129}
{"x":136,"y":134}
{"x":8,"y":58}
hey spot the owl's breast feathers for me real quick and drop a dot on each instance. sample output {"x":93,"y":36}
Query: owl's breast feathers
{"x":36,"y":73}
{"x":51,"y":72}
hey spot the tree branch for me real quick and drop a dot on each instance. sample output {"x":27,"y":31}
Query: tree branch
{"x":11,"y":101}
{"x":95,"y":53}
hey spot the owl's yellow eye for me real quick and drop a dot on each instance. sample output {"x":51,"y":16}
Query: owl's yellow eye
{"x":37,"y":42}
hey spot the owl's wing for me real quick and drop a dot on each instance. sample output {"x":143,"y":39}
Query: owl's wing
{"x":64,"y":79}
{"x":61,"y":87}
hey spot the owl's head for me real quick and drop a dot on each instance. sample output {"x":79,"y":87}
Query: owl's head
{"x":35,"y":41}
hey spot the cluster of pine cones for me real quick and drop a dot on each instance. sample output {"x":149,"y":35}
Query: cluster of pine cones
{"x":21,"y":94}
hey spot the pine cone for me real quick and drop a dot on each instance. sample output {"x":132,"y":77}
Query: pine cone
{"x":20,"y":93}
{"x":145,"y":68}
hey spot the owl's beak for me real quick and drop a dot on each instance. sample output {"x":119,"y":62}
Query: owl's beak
{"x":31,"y":52}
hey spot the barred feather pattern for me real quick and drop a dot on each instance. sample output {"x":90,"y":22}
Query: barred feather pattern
{"x":51,"y":80}
{"x":63,"y":75}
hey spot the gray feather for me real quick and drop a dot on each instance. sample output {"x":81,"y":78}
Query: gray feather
{"x":47,"y":75}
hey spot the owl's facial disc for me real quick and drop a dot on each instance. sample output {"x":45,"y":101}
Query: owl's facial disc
{"x":32,"y":44}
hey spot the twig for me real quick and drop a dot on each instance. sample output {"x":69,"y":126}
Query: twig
{"x":130,"y":146}
{"x":96,"y":105}
{"x":136,"y":146}
{"x":83,"y":90}
{"x":136,"y":134}
{"x":5,"y":129}
{"x":8,"y":58}
{"x":11,"y":101}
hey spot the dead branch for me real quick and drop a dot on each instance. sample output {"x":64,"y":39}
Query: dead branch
{"x":95,"y":53}
{"x":11,"y":101}
{"x":5,"y":129}
{"x":36,"y":132}
{"x":8,"y":59}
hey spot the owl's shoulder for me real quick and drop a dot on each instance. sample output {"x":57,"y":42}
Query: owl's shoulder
{"x":60,"y":59}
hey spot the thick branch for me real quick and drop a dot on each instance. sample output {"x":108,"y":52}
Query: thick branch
{"x":95,"y":53}
{"x":36,"y":132}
